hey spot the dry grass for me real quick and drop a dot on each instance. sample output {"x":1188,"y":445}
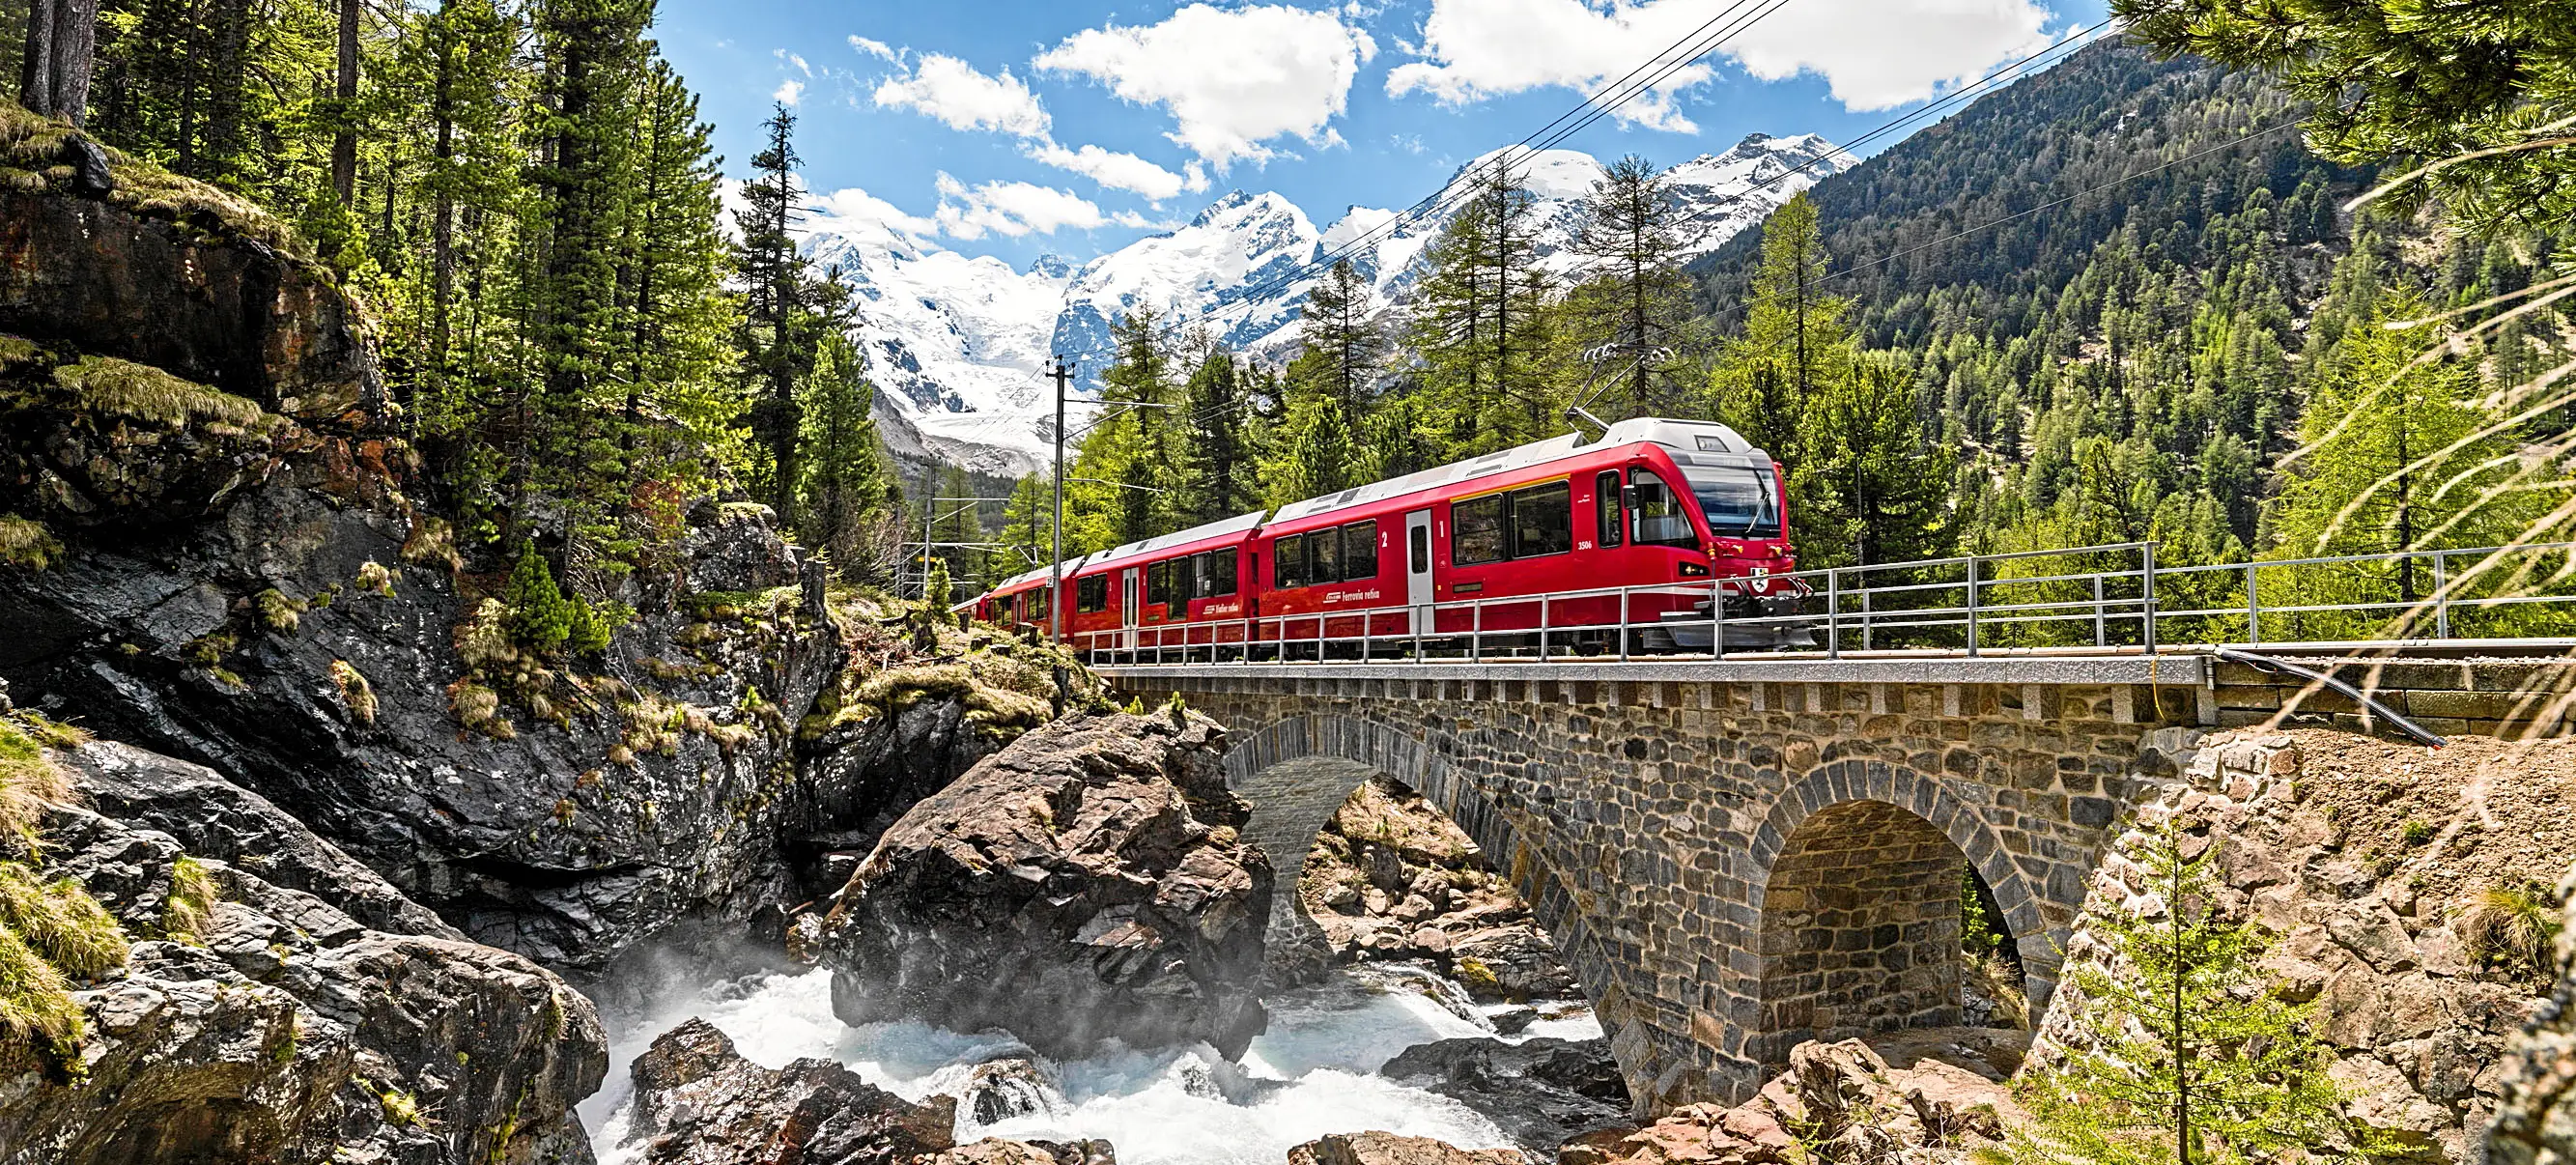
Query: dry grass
{"x":432,"y":543}
{"x":2512,"y":929}
{"x":61,"y":923}
{"x":36,"y":1003}
{"x":105,"y":384}
{"x":29,"y":782}
{"x":26,"y":544}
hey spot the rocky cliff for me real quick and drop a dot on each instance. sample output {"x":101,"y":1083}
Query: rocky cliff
{"x":215,"y":542}
{"x":1085,"y":883}
{"x":162,"y":1003}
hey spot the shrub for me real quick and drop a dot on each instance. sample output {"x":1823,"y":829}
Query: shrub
{"x":354,"y":691}
{"x":541,"y":618}
{"x":2418,"y":832}
{"x":26,"y":544}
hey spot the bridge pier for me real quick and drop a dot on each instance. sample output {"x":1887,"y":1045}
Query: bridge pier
{"x":1736,"y":857}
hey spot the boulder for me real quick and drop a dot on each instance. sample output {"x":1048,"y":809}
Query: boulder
{"x":1541,"y":1092}
{"x":1085,"y":883}
{"x":1938,"y":1098}
{"x":277,"y":1027}
{"x":1376,"y":1148}
{"x":698,"y":1102}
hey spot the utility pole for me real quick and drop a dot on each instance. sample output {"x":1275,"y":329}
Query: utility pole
{"x":1062,"y":374}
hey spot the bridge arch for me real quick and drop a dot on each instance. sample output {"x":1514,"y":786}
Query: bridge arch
{"x":1852,"y":869}
{"x":1290,"y":804}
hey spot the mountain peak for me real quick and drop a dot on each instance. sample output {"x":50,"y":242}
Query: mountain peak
{"x":1230,"y":200}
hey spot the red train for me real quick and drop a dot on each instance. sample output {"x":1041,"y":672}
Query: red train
{"x":1557,"y":546}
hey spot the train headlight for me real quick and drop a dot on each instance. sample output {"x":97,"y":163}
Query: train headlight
{"x":1694,"y":570}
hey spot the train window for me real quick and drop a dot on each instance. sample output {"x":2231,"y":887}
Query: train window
{"x":1611,"y":523}
{"x":1091,"y":594}
{"x":1421,"y":549}
{"x":1659,"y":519}
{"x":1737,"y":502}
{"x":1158,"y":584}
{"x":1215,"y":573}
{"x":1543,"y":519}
{"x":1359,"y":550}
{"x":1476,"y":531}
{"x":1323,"y":558}
{"x":1291,"y":556}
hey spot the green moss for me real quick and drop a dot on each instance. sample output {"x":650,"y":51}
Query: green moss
{"x":278,"y":611}
{"x":116,"y":387}
{"x":191,"y":901}
{"x":16,"y":350}
{"x":433,"y":543}
{"x":26,"y":544}
{"x":61,"y":923}
{"x":374,"y":578}
{"x":354,"y":691}
{"x":400,"y":1108}
{"x":31,"y":145}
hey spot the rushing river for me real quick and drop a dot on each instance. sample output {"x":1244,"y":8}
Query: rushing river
{"x":1312,"y":1073}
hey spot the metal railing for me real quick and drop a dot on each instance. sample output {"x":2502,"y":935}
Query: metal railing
{"x":2110,"y":598}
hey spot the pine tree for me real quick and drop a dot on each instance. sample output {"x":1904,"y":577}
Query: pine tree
{"x":1123,"y":479}
{"x":1027,"y":525}
{"x":1633,"y":304}
{"x":1343,"y":347}
{"x":675,"y":354}
{"x":1315,"y":454}
{"x":1793,"y":343}
{"x":778,"y":334}
{"x":1217,"y":455}
{"x":541,"y":616}
{"x":842,"y":506}
{"x":1481,"y":326}
{"x":1870,"y":486}
{"x":2187,"y":1056}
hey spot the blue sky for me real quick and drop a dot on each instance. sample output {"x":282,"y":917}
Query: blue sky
{"x":1018,"y":128}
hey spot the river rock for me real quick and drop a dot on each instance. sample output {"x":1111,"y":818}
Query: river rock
{"x":1377,"y":1148}
{"x":1084,"y":883}
{"x":698,"y":1102}
{"x":288,"y":1030}
{"x":1838,"y":1102}
{"x":1540,"y":1091}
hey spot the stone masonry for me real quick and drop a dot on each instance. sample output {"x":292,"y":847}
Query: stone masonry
{"x":1736,"y":857}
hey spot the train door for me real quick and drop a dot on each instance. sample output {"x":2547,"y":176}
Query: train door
{"x":1417,"y":568}
{"x":1128,"y":608}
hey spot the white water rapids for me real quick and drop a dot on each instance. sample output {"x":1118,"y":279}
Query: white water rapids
{"x":1312,"y":1073}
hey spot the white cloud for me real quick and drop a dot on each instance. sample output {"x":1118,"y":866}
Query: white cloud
{"x":873,"y":48}
{"x":789,"y":92}
{"x":1879,"y":54}
{"x":1015,"y":209}
{"x":953,"y":91}
{"x":1874,"y":53}
{"x":800,"y":64}
{"x":1231,"y":78}
{"x":857,"y":215}
{"x":1120,"y":171}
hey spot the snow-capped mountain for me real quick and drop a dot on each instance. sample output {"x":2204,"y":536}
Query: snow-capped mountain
{"x":957,"y":345}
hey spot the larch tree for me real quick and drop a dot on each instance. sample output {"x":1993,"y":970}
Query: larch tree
{"x":1870,"y":486}
{"x":1343,"y":346}
{"x":1793,"y":343}
{"x":1217,"y":451}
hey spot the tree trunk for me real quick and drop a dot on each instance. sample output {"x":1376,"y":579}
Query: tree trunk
{"x":344,"y":139}
{"x":36,"y":71}
{"x":62,"y":39}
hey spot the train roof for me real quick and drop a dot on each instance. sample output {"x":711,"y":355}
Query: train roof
{"x":1238,"y":524}
{"x":1038,"y":576}
{"x":1684,"y":436}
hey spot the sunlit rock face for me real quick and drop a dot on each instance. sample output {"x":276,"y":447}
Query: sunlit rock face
{"x":1084,"y":884}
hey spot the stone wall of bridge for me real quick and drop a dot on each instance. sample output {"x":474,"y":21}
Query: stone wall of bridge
{"x":1731,"y":868}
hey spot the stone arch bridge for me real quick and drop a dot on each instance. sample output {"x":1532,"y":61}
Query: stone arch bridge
{"x":1734,"y":858}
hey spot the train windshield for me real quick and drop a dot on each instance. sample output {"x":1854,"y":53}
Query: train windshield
{"x":1738,"y":503}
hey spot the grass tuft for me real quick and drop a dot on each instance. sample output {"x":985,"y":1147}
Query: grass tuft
{"x":373,"y":577}
{"x":29,"y":782}
{"x":61,"y":923}
{"x":123,"y":388}
{"x":2511,"y":928}
{"x":36,"y":1003}
{"x":191,"y":903}
{"x":26,"y":544}
{"x":278,"y":612}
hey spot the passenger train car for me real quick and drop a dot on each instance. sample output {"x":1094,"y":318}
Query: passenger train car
{"x":1561,"y":544}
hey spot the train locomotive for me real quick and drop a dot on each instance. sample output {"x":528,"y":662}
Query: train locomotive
{"x":1562,"y":546}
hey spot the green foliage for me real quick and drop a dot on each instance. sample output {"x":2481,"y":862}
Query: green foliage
{"x":848,"y":487}
{"x":277,"y":611}
{"x":935,"y":592}
{"x":1978,"y":934}
{"x":2511,"y":929}
{"x":1794,"y":342}
{"x":540,"y":616}
{"x":29,"y":783}
{"x":2391,"y":79}
{"x":355,"y":692}
{"x":1634,"y":308}
{"x":26,"y":544}
{"x":1868,"y":486}
{"x":2183,"y":1052}
{"x":61,"y":923}
{"x":1220,"y":440}
{"x":1483,"y":334}
{"x":36,"y":1001}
